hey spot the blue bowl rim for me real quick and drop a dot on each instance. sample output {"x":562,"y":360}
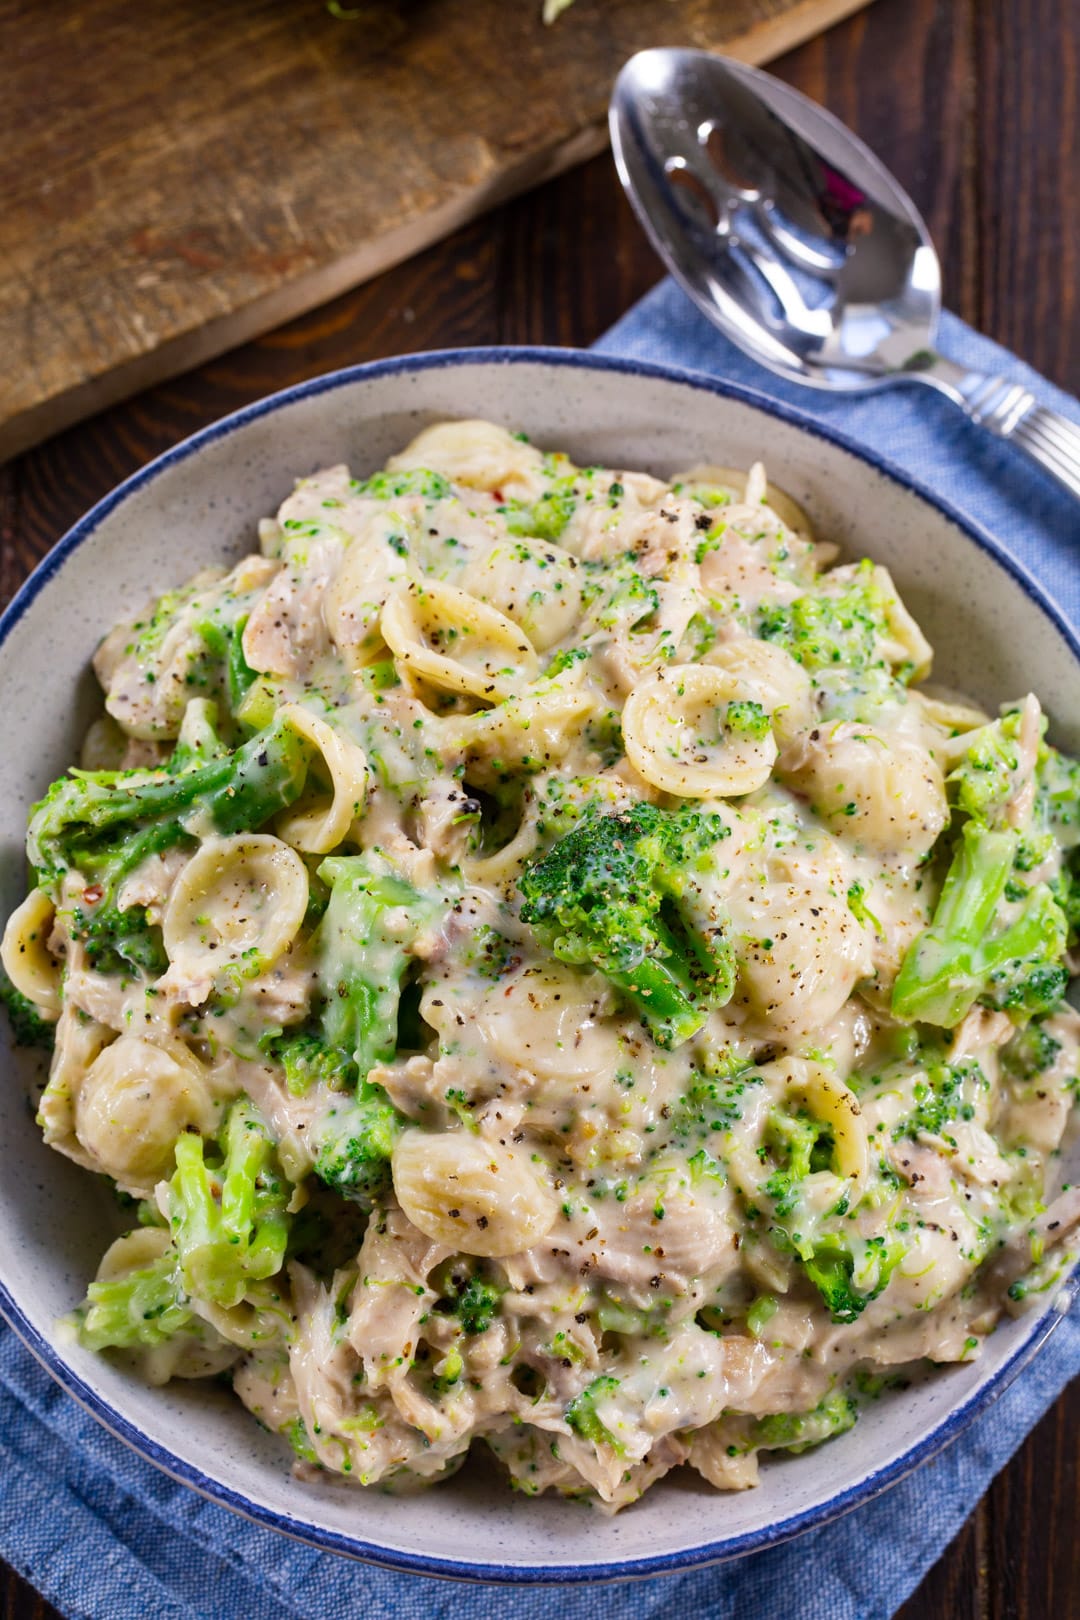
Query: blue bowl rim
{"x":873,"y":1484}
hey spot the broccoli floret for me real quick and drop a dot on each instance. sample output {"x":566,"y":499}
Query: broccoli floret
{"x":1057,"y":796}
{"x":839,"y":626}
{"x":104,"y":824}
{"x":485,"y":952}
{"x":845,"y":1287}
{"x":354,"y":1141}
{"x":974,"y":949}
{"x":1031,"y":1051}
{"x":393,"y":486}
{"x":228,"y":1217}
{"x":478,"y":1305}
{"x":985,"y":778}
{"x":548,"y":516}
{"x":803,"y":1145}
{"x":797,"y":1431}
{"x":968,"y":954}
{"x":308,"y":1061}
{"x":28,"y":1028}
{"x":847,"y":1271}
{"x":619,"y":597}
{"x":117,"y":941}
{"x":363,"y":944}
{"x":565,"y":659}
{"x":746,"y":719}
{"x":1057,"y":814}
{"x":715,"y":1098}
{"x":623,"y":893}
{"x":471,"y":1297}
{"x":949,"y":1092}
{"x":582,"y":1416}
{"x":138,"y":1309}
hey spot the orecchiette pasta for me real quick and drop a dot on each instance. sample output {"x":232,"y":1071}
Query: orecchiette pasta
{"x":24,"y":951}
{"x":887,"y":792}
{"x":539,"y":586}
{"x":133,"y":1103}
{"x":473,"y":1195}
{"x":478,"y":455}
{"x":375,"y":563}
{"x":195,"y":1350}
{"x":832,"y":1102}
{"x":242,"y":897}
{"x":320,"y":821}
{"x":688,"y":731}
{"x":527,"y":733}
{"x":551,"y":978}
{"x":452,"y":641}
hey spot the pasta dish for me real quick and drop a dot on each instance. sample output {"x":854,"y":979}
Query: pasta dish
{"x":539,"y":966}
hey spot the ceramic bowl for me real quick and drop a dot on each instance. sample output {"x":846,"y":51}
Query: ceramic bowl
{"x":995,"y":634}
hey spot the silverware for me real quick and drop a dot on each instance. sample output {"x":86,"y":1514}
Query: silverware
{"x":794,"y":240}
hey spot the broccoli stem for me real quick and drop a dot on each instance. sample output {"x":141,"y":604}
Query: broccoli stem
{"x":372,"y":918}
{"x":662,"y":999}
{"x":229,"y":1224}
{"x":960,"y":958}
{"x":72,"y":824}
{"x":225,"y":643}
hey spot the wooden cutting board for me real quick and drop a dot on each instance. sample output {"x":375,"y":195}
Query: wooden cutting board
{"x":179,"y":175}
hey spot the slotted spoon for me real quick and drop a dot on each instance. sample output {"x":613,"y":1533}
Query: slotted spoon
{"x":792,"y":237}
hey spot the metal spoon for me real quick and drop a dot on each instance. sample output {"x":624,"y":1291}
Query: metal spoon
{"x":797,"y":243}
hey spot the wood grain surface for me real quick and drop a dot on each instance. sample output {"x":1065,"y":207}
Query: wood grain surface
{"x":175,"y":179}
{"x":974,"y":104}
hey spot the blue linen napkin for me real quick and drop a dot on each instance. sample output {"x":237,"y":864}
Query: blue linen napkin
{"x":102,"y":1533}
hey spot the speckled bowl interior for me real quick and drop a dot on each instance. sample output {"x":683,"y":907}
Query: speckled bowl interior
{"x":995,"y":636}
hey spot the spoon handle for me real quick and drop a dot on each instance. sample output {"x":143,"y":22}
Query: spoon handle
{"x":1010,"y":411}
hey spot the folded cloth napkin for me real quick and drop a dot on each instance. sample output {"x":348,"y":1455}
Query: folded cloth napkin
{"x":101,"y":1533}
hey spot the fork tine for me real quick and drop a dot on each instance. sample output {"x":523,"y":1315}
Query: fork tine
{"x":1057,"y":431}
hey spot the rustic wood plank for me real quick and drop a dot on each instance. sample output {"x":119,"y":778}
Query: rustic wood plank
{"x":1028,"y":136}
{"x":1032,"y":1546}
{"x":20,"y":1601}
{"x":175,"y":181}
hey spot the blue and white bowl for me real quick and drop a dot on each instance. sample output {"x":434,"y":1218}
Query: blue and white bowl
{"x":996,"y":635}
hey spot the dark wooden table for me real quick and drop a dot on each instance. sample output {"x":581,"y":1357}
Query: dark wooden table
{"x":975,"y":105}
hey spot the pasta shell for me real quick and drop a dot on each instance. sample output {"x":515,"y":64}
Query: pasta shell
{"x":237,"y":897}
{"x":24,"y":951}
{"x":456,"y":643}
{"x":319,"y":822}
{"x":136,"y":1099}
{"x":475,"y":1196}
{"x":676,"y":736}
